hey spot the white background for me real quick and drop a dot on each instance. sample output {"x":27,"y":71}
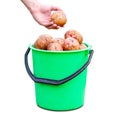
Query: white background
{"x":99,"y":23}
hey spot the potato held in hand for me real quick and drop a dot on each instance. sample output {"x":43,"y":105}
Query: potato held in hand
{"x":71,"y":44}
{"x":74,"y":34}
{"x":42,"y":41}
{"x":59,"y":18}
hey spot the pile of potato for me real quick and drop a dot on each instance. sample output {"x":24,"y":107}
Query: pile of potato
{"x":72,"y":40}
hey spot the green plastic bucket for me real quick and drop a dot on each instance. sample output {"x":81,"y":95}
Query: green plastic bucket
{"x":59,"y":77}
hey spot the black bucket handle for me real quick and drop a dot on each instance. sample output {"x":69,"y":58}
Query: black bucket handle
{"x":51,"y":81}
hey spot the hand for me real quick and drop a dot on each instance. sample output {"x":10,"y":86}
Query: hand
{"x":41,"y":13}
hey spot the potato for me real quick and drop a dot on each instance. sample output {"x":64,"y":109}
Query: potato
{"x":59,"y":40}
{"x":75,"y":34}
{"x":71,"y":44}
{"x":54,"y":46}
{"x":59,"y":18}
{"x":42,"y":41}
{"x":83,"y":46}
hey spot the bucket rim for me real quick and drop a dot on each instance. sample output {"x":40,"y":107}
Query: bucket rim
{"x":31,"y":46}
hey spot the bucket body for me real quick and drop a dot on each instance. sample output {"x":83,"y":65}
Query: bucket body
{"x":58,"y":65}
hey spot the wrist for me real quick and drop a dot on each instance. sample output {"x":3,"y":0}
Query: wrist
{"x":32,"y":5}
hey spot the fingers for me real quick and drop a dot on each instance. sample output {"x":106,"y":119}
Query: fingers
{"x":50,"y":25}
{"x":53,"y":26}
{"x":47,"y":24}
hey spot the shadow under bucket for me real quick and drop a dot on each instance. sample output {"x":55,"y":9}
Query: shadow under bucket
{"x":59,"y":77}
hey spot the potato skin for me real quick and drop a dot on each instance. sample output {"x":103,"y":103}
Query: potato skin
{"x":71,"y":44}
{"x":42,"y":41}
{"x":83,"y":46}
{"x":59,"y":18}
{"x":54,"y":46}
{"x":59,"y":40}
{"x":75,"y":34}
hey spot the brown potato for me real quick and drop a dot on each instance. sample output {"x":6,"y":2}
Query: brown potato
{"x":59,"y":40}
{"x":54,"y":46}
{"x":71,"y":44}
{"x":75,"y":34}
{"x":59,"y":18}
{"x":42,"y":41}
{"x":83,"y":46}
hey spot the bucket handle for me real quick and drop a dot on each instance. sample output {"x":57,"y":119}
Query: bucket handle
{"x":51,"y":81}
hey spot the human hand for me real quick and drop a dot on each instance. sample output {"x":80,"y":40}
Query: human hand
{"x":42,"y":14}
